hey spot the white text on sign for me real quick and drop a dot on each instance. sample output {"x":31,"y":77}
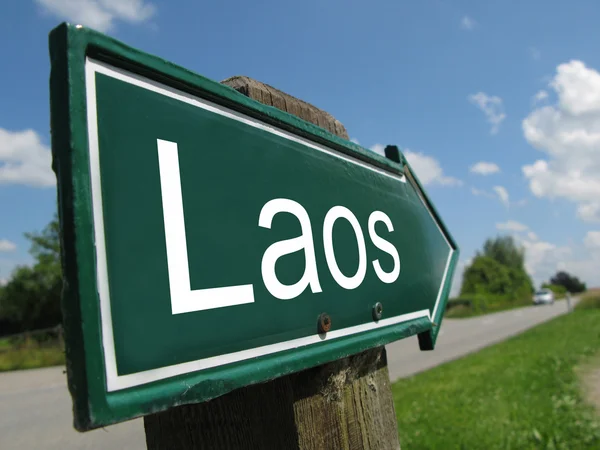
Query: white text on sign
{"x":305,"y":242}
{"x":184,"y":299}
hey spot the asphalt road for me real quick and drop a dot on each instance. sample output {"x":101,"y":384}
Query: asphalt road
{"x":35,"y":406}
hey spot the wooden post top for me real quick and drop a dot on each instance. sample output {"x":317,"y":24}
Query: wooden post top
{"x":270,"y":96}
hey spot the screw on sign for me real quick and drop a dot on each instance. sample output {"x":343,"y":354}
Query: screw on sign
{"x":377,"y":311}
{"x":324,"y":323}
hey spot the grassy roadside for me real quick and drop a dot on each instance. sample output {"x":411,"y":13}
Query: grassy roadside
{"x":590,"y":300}
{"x":4,"y":343}
{"x":462,"y":311}
{"x":30,"y":355}
{"x":521,"y":394}
{"x":475,"y":305}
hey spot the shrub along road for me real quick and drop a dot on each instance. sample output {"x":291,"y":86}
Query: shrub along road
{"x":35,"y":407}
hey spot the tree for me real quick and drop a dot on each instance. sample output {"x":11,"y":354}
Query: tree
{"x":556,"y":288}
{"x":571,"y":283}
{"x":485,"y":276}
{"x":521,"y":285}
{"x":504,"y":250}
{"x":32,"y":295}
{"x":498,"y":270}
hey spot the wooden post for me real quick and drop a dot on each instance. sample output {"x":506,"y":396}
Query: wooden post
{"x":343,"y":405}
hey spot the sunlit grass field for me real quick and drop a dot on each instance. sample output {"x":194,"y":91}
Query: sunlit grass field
{"x":521,"y":394}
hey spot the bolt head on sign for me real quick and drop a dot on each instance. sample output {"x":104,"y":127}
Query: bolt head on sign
{"x":185,"y":206}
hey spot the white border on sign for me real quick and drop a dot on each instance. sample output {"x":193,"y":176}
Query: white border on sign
{"x":117,"y":382}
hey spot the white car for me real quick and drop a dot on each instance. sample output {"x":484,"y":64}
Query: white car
{"x":543,"y":296}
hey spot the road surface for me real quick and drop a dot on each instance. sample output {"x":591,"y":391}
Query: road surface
{"x":35,"y":406}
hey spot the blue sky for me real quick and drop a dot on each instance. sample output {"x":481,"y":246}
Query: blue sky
{"x":510,"y":84}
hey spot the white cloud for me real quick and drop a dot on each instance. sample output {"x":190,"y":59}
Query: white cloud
{"x":484,"y":168}
{"x":540,"y":96}
{"x":502,"y":195}
{"x":99,"y":14}
{"x":492,"y":107}
{"x":511,"y":225}
{"x":578,"y":88}
{"x":535,"y":53}
{"x":585,"y":269}
{"x":24,"y":159}
{"x":592,"y":239}
{"x":7,"y":246}
{"x":378,"y":148}
{"x":568,"y":133}
{"x":482,"y":193}
{"x":355,"y":141}
{"x":589,"y":212}
{"x":3,"y":281}
{"x":427,"y":169}
{"x":467,"y":23}
{"x":544,"y":259}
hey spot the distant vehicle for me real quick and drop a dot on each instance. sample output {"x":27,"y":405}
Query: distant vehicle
{"x":543,"y":296}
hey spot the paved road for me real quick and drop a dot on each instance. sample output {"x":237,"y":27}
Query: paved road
{"x":35,"y":407}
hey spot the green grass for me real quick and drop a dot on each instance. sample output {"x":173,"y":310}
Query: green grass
{"x":460,"y":311}
{"x":31,"y":355}
{"x":521,"y":394}
{"x":4,"y":343}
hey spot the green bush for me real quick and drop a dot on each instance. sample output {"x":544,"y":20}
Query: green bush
{"x":487,"y":275}
{"x":556,"y":288}
{"x":559,"y":291}
{"x":31,"y":298}
{"x":466,"y":302}
{"x":570,"y":282}
{"x":460,"y":311}
{"x":498,"y":273}
{"x":30,"y":355}
{"x":520,"y":283}
{"x":476,"y":305}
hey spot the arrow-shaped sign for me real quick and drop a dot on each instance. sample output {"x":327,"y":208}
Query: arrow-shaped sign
{"x":212,"y":241}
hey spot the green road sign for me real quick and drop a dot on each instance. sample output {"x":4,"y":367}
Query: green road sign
{"x":205,"y":236}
